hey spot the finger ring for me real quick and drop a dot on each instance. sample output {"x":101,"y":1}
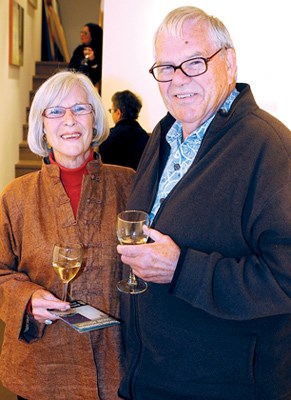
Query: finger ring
{"x":48,"y":322}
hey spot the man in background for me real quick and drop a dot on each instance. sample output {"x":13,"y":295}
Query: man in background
{"x":127,"y":138}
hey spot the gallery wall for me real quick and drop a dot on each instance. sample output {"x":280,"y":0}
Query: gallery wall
{"x":260,"y":31}
{"x":74,"y":15}
{"x":15,"y":83}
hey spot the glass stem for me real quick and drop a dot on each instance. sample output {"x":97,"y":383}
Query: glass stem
{"x":65,"y":291}
{"x":132,"y":279}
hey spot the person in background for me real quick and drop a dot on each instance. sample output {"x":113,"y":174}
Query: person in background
{"x":215,"y":322}
{"x":73,"y":198}
{"x":127,"y":138}
{"x":87,"y":57}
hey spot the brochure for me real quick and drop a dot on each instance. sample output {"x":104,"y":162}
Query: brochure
{"x":84,"y":318}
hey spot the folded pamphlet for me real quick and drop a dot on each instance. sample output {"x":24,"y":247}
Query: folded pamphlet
{"x":84,"y":318}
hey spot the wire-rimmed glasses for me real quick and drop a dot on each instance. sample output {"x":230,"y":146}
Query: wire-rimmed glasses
{"x":193,"y":67}
{"x":60,"y":111}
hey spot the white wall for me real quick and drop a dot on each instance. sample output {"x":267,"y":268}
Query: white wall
{"x":15,"y":83}
{"x":74,"y":15}
{"x":260,"y":31}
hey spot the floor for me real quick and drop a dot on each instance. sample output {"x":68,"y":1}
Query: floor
{"x":4,"y":394}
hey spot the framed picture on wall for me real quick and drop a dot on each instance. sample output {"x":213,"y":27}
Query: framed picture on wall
{"x":33,"y":3}
{"x":16,"y":33}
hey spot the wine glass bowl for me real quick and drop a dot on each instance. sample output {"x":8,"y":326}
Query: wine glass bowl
{"x":67,"y":261}
{"x":130,"y":231}
{"x":86,"y":58}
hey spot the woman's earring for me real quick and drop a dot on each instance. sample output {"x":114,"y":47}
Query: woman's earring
{"x":46,"y":142}
{"x":94,"y":142}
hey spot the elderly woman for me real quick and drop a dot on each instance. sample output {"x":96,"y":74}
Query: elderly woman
{"x":74,"y":197}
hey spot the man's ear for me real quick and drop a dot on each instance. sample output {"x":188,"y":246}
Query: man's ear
{"x":118,"y":114}
{"x":231,"y":63}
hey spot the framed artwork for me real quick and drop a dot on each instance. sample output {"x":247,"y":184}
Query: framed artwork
{"x":16,"y":33}
{"x":33,"y":3}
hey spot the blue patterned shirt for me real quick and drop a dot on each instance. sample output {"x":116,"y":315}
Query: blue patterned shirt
{"x":182,"y":154}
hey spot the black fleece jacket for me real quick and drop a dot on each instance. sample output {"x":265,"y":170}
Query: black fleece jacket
{"x":222,"y":328}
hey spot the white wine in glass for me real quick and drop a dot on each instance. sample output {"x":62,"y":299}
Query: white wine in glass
{"x":129,"y":230}
{"x":67,"y":261}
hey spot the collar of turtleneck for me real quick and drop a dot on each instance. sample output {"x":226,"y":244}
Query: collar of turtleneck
{"x":72,"y":178}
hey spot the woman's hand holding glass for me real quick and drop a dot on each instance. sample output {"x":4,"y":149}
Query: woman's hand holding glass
{"x":67,"y":260}
{"x":88,"y":55}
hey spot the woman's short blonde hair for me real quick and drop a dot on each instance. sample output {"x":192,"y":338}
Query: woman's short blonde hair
{"x":58,"y":87}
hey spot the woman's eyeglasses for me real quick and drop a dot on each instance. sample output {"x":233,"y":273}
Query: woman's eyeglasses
{"x":59,"y":111}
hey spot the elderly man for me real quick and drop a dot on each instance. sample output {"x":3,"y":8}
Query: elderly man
{"x":215,"y":321}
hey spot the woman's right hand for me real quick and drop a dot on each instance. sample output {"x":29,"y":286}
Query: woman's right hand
{"x":42,"y":301}
{"x":89,"y":53}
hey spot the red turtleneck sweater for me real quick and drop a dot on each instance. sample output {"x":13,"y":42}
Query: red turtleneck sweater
{"x":72,"y":180}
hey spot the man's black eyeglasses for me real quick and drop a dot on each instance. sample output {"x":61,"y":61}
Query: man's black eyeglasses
{"x":193,"y":67}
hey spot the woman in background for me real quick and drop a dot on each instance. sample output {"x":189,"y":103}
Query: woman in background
{"x":87,"y":57}
{"x":73,"y":198}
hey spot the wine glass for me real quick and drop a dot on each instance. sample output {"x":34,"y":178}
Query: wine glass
{"x":67,"y":260}
{"x":85,"y":60}
{"x":130,"y":231}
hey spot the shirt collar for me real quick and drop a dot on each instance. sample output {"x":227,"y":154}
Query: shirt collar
{"x":176,"y":131}
{"x":228,"y":102}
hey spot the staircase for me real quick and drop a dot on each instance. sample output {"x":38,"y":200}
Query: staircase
{"x":28,"y":161}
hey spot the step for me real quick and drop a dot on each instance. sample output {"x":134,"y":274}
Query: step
{"x":26,"y":166}
{"x":25,"y":153}
{"x":27,"y":109}
{"x":38,"y":80}
{"x":28,"y":161}
{"x":24,"y":131}
{"x":48,"y":68}
{"x":31,"y":95}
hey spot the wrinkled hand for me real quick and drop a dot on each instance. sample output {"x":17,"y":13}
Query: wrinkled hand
{"x":42,"y":301}
{"x":154,"y":262}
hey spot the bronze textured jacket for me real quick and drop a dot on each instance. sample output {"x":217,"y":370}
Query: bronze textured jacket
{"x":55,"y":362}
